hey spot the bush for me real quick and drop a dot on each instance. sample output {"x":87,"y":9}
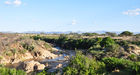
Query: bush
{"x":22,"y":51}
{"x":82,"y":65}
{"x":107,"y":42}
{"x":47,"y":46}
{"x":123,"y":43}
{"x":42,"y":73}
{"x":7,"y":71}
{"x":28,"y":46}
{"x":113,"y":48}
{"x":14,"y":51}
{"x":126,"y":33}
{"x":111,"y":34}
{"x":8,"y":53}
{"x":132,"y":57}
{"x":122,"y":64}
{"x":90,"y":34}
{"x":1,"y":57}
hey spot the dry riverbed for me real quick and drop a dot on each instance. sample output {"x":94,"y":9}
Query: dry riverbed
{"x":52,"y":64}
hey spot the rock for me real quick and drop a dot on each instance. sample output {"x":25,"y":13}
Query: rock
{"x":26,"y":56}
{"x":39,"y":67}
{"x":133,"y":47}
{"x":116,"y":70}
{"x":43,"y":54}
{"x":67,"y":57}
{"x":46,"y":64}
{"x":59,"y":66}
{"x":137,"y":52}
{"x":32,"y":65}
{"x":49,"y":57}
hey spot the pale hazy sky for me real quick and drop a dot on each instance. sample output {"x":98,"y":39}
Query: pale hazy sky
{"x":69,"y":15}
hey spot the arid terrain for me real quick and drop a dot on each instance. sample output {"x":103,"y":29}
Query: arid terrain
{"x":58,"y":53}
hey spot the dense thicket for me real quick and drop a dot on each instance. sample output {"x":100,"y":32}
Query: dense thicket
{"x":80,"y":43}
{"x":82,"y":65}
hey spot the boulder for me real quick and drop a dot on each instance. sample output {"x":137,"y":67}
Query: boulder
{"x":46,"y":64}
{"x":32,"y":65}
{"x":43,"y":54}
{"x":26,"y":56}
{"x":39,"y":66}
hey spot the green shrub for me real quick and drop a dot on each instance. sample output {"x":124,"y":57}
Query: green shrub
{"x":22,"y":51}
{"x":8,"y":53}
{"x":123,"y":43}
{"x":47,"y":46}
{"x":133,"y":57}
{"x":111,"y":34}
{"x":28,"y":46}
{"x":126,"y":33}
{"x":90,"y":34}
{"x":107,"y":42}
{"x":121,"y":64}
{"x":113,"y":48}
{"x":14,"y":51}
{"x":42,"y":73}
{"x":7,"y":71}
{"x":1,"y":57}
{"x":82,"y":65}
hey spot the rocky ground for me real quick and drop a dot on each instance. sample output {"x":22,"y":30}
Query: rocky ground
{"x":52,"y":64}
{"x":22,"y":52}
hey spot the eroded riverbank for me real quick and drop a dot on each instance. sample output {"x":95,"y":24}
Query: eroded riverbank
{"x":52,"y":64}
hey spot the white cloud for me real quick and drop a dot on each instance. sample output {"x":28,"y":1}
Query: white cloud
{"x":132,"y":12}
{"x":8,"y":2}
{"x":74,"y":22}
{"x":17,"y":2}
{"x":14,"y":2}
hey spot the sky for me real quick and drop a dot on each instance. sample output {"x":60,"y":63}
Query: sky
{"x":69,"y":15}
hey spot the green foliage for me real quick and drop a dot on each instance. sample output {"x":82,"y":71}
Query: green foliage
{"x":90,"y":34}
{"x":1,"y":57}
{"x":98,"y":40}
{"x":136,"y":42}
{"x":22,"y":51}
{"x":70,"y":43}
{"x":113,"y":48}
{"x":28,"y":46}
{"x":96,"y":54}
{"x":42,"y":73}
{"x":14,"y":51}
{"x":8,"y":53}
{"x":133,"y":57}
{"x":7,"y":71}
{"x":111,"y":34}
{"x":95,"y":47}
{"x":47,"y":46}
{"x":126,"y":33}
{"x":107,"y":42}
{"x":36,"y":37}
{"x":122,"y":64}
{"x":82,"y":65}
{"x":123,"y":43}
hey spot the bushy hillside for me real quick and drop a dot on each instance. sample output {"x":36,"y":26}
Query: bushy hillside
{"x":15,"y":48}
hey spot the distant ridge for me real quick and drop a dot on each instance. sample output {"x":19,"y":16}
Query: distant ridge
{"x":67,"y":32}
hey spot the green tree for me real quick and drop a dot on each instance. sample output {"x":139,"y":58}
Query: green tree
{"x":111,"y":34}
{"x":126,"y":33}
